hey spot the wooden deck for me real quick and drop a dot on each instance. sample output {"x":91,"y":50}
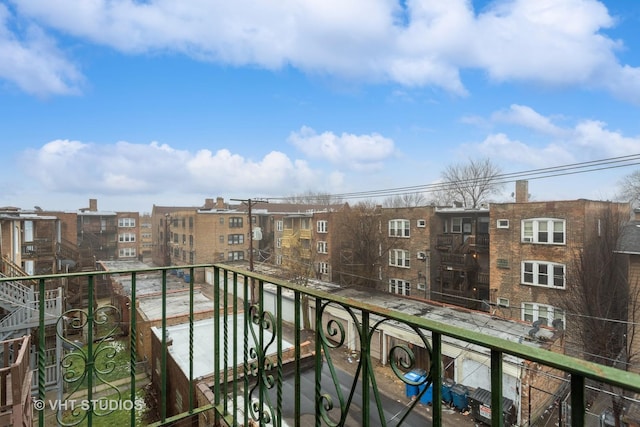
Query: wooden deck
{"x":15,"y":383}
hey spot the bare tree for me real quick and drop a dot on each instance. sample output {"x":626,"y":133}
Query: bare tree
{"x":408,"y":200}
{"x":363,"y":244}
{"x":603,"y":300}
{"x":473,"y":182}
{"x":630,"y":187}
{"x":299,"y":268}
{"x":312,"y":198}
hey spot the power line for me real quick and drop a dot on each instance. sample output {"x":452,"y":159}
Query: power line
{"x":540,"y":173}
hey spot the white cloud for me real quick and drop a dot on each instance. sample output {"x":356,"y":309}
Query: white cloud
{"x":423,"y":43}
{"x":593,"y":137}
{"x":525,"y":116}
{"x":33,"y":62}
{"x":126,"y":168}
{"x":584,"y":141}
{"x":508,"y":151}
{"x":348,"y":151}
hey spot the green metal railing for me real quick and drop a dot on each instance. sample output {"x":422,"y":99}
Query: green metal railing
{"x":261,"y":363}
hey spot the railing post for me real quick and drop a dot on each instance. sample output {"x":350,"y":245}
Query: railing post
{"x":436,"y":367}
{"x":365,"y":358}
{"x":163,"y":361}
{"x":578,"y":405}
{"x":297,"y":296}
{"x":41,"y":353}
{"x":497,"y":417}
{"x":133,"y":356}
{"x":318,"y":362}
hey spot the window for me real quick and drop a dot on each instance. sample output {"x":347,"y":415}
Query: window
{"x":278,"y":259}
{"x":235,"y":239}
{"x":456,"y":225}
{"x":279,"y":243}
{"x":323,"y":268}
{"x":221,"y":238}
{"x":235,"y":222}
{"x":400,"y":287}
{"x":322,"y":247}
{"x":221,"y":220}
{"x":399,"y":228}
{"x":544,"y":230}
{"x":539,"y":273}
{"x":545,"y":313}
{"x":126,"y":222}
{"x":127,"y":237}
{"x":503,"y":223}
{"x":399,"y":258}
{"x":236,"y":255}
{"x":321,"y":226}
{"x":503,"y":302}
{"x":305,"y":223}
{"x":279,"y":226}
{"x":421,"y":223}
{"x":127,"y":252}
{"x":483,"y":225}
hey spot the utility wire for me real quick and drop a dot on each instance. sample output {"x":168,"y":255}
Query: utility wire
{"x":540,"y":173}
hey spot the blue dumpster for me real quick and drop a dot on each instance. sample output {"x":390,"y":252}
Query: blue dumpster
{"x":415,"y":376}
{"x":187,"y":278}
{"x":460,"y":397}
{"x":447,"y":383}
{"x":427,"y":396}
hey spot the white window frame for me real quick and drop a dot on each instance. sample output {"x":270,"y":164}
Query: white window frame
{"x":502,"y":223}
{"x":323,"y":268}
{"x":235,"y":239}
{"x":399,"y":258}
{"x":279,"y":242}
{"x":545,"y":228}
{"x":322,"y":247}
{"x":422,"y":223}
{"x":400,"y":287}
{"x":322,"y":226}
{"x":536,"y":273}
{"x":126,"y":252}
{"x":531,"y":311}
{"x":456,"y":225}
{"x":126,"y":222}
{"x":279,"y":225}
{"x":502,"y":302}
{"x":399,"y":228}
{"x":127,"y":237}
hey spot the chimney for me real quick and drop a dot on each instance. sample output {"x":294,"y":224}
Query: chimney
{"x":208,"y":204}
{"x":219,"y":203}
{"x":522,"y":191}
{"x":93,"y":205}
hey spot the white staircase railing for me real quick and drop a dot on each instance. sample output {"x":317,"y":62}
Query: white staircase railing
{"x":14,"y":294}
{"x":26,"y":314}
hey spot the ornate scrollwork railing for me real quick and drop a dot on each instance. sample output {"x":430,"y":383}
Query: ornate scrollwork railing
{"x":88,"y":364}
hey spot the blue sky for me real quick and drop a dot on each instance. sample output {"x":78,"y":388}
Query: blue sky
{"x":161,"y":102}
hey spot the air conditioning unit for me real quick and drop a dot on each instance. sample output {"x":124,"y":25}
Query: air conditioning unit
{"x":527,"y":239}
{"x":422,"y":255}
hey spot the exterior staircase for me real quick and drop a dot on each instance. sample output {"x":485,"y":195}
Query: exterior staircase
{"x":23,"y":307}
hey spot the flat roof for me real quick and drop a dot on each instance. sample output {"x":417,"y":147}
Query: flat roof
{"x":203,"y":344}
{"x":177,"y":303}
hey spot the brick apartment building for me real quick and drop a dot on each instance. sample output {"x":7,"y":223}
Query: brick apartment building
{"x":533,"y":246}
